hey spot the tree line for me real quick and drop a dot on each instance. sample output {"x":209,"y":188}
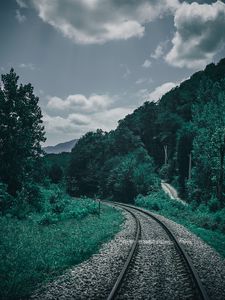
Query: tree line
{"x":180,"y":139}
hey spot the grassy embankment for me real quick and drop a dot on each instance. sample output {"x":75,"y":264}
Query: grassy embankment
{"x":201,"y":220}
{"x":37,"y":249}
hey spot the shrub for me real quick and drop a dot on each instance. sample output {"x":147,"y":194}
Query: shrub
{"x":214,"y":204}
{"x":6,"y":200}
{"x":48,"y":219}
{"x":56,"y":173}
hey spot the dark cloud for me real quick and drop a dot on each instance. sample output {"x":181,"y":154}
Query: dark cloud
{"x":96,"y":22}
{"x":199,"y":34}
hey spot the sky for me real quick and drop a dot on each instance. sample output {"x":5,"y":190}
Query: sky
{"x":92,"y":62}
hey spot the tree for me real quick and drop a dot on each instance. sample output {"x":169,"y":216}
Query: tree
{"x":209,"y":142}
{"x":87,"y":158}
{"x":133,"y":174}
{"x":185,"y":138}
{"x":55,"y":173}
{"x":21,"y":131}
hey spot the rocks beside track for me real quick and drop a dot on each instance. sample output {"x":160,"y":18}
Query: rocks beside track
{"x":155,"y":273}
{"x":209,"y":265}
{"x":93,"y":278}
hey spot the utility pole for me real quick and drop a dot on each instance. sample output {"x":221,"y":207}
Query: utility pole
{"x":189,"y":167}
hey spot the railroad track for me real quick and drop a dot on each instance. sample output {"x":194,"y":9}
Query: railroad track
{"x":185,"y":267}
{"x":123,"y":272}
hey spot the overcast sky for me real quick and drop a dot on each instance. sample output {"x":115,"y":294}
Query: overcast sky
{"x":92,"y":62}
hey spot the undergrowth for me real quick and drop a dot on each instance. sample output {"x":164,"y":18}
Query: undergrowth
{"x":38,"y":248}
{"x":201,"y":220}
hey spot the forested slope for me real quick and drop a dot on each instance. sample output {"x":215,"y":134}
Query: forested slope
{"x":180,"y":138}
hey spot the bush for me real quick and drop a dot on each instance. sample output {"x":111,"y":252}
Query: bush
{"x":56,"y":173}
{"x":33,"y":253}
{"x":28,"y":200}
{"x":6,"y":200}
{"x":214,"y":204}
{"x":48,"y":219}
{"x":208,"y":221}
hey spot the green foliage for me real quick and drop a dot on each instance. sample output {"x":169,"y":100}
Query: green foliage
{"x":61,"y":159}
{"x":29,"y":199}
{"x":38,"y":249}
{"x":112,"y":165}
{"x":55,"y":173}
{"x":207,"y":221}
{"x":209,"y":141}
{"x":183,"y":133}
{"x":133,"y":175}
{"x":87,"y":156}
{"x":6,"y":200}
{"x":21,"y":131}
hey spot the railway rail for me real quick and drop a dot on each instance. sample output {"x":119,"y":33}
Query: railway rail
{"x":198,"y":289}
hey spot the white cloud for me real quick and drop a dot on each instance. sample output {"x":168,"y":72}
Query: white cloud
{"x":141,"y":80}
{"x":96,"y":21}
{"x":159,"y":50}
{"x":78,"y":114}
{"x":20,"y":18}
{"x":199,"y":34}
{"x":159,"y":91}
{"x":29,"y":66}
{"x":127,"y":71}
{"x":21,"y":3}
{"x":147,"y":63}
{"x":75,"y":125}
{"x":79,"y":103}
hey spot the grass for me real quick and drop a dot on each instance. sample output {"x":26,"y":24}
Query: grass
{"x":208,"y":225}
{"x":40,"y":247}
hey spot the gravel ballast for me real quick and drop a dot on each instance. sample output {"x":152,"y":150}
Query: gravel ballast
{"x":208,"y":263}
{"x":94,"y":278}
{"x":156,"y":271}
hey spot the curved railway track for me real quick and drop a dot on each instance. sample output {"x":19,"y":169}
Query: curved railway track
{"x":198,"y":291}
{"x":120,"y":278}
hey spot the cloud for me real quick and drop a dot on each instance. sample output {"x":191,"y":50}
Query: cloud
{"x":77,"y":114}
{"x":21,"y":3}
{"x":143,"y":80}
{"x":199,"y":34}
{"x":159,"y":91}
{"x":75,"y":125}
{"x":97,"y":21}
{"x":78,"y":103}
{"x":147,"y":63}
{"x":20,"y":18}
{"x":159,"y":50}
{"x":29,"y":66}
{"x":127,"y":71}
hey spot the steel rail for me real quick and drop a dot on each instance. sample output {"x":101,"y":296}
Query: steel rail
{"x":129,"y":258}
{"x":198,"y":284}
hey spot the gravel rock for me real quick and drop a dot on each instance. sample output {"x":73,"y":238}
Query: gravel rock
{"x":95,"y":277}
{"x":208,"y":263}
{"x":157,"y":272}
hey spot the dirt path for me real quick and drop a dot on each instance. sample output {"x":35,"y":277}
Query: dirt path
{"x":171,"y":191}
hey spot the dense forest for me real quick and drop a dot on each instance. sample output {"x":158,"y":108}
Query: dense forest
{"x":49,"y":215}
{"x":180,"y":139}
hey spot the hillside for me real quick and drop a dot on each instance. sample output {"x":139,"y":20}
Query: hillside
{"x":59,"y":148}
{"x":172,"y":138}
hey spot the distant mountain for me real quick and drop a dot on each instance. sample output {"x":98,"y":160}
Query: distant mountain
{"x":62,"y":147}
